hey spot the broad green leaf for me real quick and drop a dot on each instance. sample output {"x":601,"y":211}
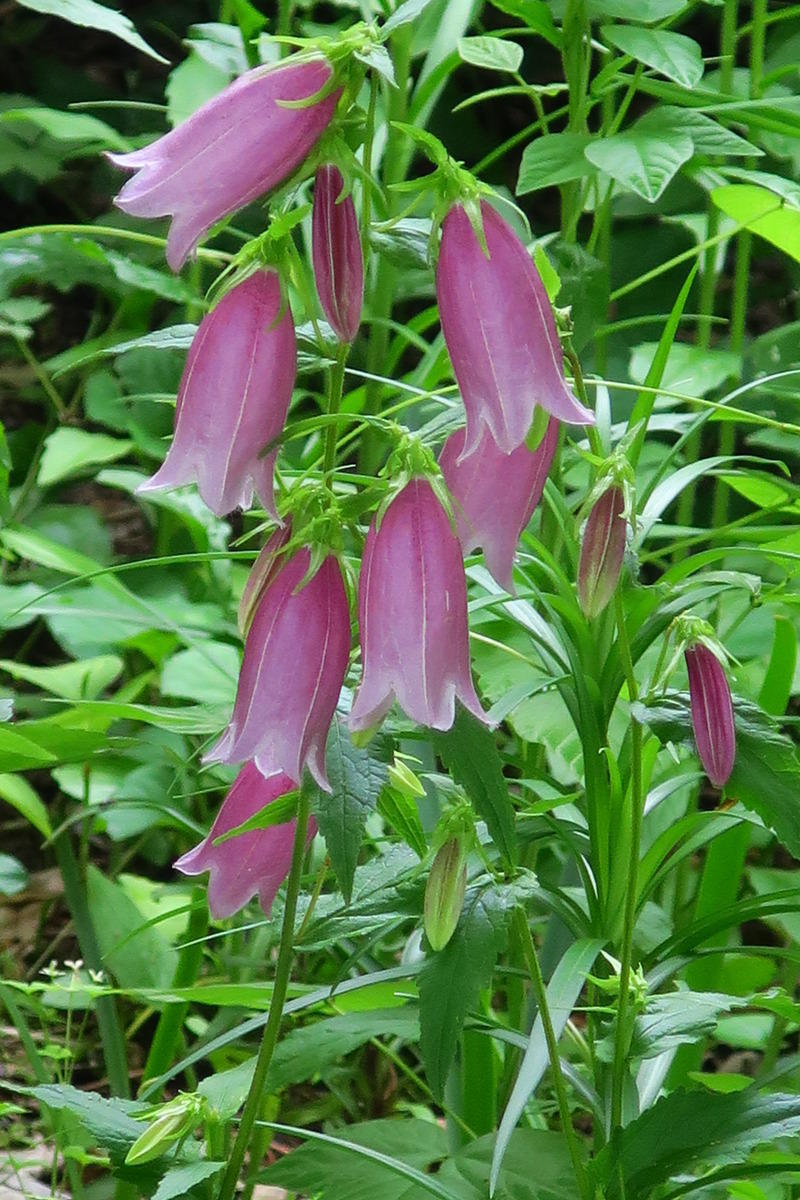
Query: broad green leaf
{"x":671,"y":54}
{"x":646,"y":12}
{"x":563,"y":990}
{"x":109,"y":1122}
{"x":71,"y":681}
{"x":394,"y":1154}
{"x":207,"y":674}
{"x":787,"y":189}
{"x":762,"y":212}
{"x":69,"y":126}
{"x":69,"y":452}
{"x":356,"y":776}
{"x":135,"y":954}
{"x":13,"y":876}
{"x":450,"y":981}
{"x":689,"y":1129}
{"x":190,"y":85}
{"x":766,"y":773}
{"x":708,"y":136}
{"x":688,"y":369}
{"x":556,"y":158}
{"x":17,"y":792}
{"x":553,"y":1177}
{"x":19,"y":753}
{"x":402,"y":15}
{"x":92,"y":15}
{"x":177,"y":1182}
{"x":673,"y":1019}
{"x":776,"y":689}
{"x":175,"y":337}
{"x":536,"y":15}
{"x":640,"y":161}
{"x":491,"y":53}
{"x":469,"y":752}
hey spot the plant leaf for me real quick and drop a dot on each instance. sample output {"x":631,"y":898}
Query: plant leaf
{"x":640,"y":161}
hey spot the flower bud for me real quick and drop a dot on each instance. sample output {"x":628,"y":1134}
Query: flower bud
{"x":712,"y":713}
{"x":444,"y":893}
{"x":336,"y":251}
{"x":602,"y":552}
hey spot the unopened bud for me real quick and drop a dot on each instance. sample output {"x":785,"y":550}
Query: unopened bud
{"x":444,"y":893}
{"x":712,"y":713}
{"x":602,"y":552}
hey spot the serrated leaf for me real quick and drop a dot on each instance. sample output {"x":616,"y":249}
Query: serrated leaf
{"x":674,"y":1019}
{"x":92,"y":15}
{"x":688,"y":1129}
{"x":109,"y":1122}
{"x":490,"y":53}
{"x":469,"y":752}
{"x":356,"y":777}
{"x":671,"y":54}
{"x":178,"y":1181}
{"x":557,"y":158}
{"x":640,"y":161}
{"x":451,"y":980}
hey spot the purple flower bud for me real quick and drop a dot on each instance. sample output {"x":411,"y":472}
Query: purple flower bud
{"x":233,"y":398}
{"x":338,"y":260}
{"x":412,"y":604}
{"x":602,"y":552}
{"x":494,"y":494}
{"x":712,"y":713}
{"x":499,"y":328}
{"x":262,"y":572}
{"x":258,"y":861}
{"x":295,"y":657}
{"x":237,"y":146}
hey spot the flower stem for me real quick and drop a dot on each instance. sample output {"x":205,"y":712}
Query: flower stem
{"x":270,"y":1037}
{"x":637,"y":810}
{"x":523,"y":934}
{"x":335,"y":386}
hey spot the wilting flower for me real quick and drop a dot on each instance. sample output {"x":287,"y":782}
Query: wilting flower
{"x":252,"y":862}
{"x":338,"y":260}
{"x":237,"y":146}
{"x":444,"y":893}
{"x":500,"y":331}
{"x":712,"y":713}
{"x":295,"y":657}
{"x":494,"y":494}
{"x":602,"y":552}
{"x":233,"y":398}
{"x":412,"y":604}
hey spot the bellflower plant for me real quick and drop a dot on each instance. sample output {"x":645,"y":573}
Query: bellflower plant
{"x":239,"y":145}
{"x":233,"y":398}
{"x":251,"y":863}
{"x":500,"y":331}
{"x":712,"y":712}
{"x":295,"y":657}
{"x":337,"y":255}
{"x":412,"y":604}
{"x":494,"y":494}
{"x":602,"y":551}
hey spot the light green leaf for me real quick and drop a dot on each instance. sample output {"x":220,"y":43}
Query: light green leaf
{"x":671,"y":54}
{"x":639,"y":161}
{"x":17,"y":792}
{"x":688,"y":369}
{"x":708,"y":136}
{"x":92,"y":15}
{"x":190,"y":85}
{"x":72,"y":681}
{"x":536,"y":15}
{"x":19,"y":753}
{"x":13,"y":876}
{"x":178,"y":1181}
{"x":491,"y":53}
{"x":206,"y":673}
{"x":557,"y":158}
{"x":109,"y":1122}
{"x":646,"y":12}
{"x":69,"y":126}
{"x":761,"y":211}
{"x":137,"y":955}
{"x":69,"y":452}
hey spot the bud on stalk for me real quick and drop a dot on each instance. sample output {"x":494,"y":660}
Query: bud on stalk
{"x":336,"y":251}
{"x":602,"y":552}
{"x":712,"y":713}
{"x":444,"y":893}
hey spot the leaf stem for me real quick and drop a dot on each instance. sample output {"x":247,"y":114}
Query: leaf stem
{"x":523,"y":934}
{"x":335,"y":386}
{"x":270,"y":1038}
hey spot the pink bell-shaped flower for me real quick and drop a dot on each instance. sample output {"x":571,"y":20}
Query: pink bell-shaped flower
{"x":494,"y":494}
{"x":712,"y":713}
{"x":336,"y":251}
{"x":412,"y":604}
{"x":295,"y":658}
{"x":233,"y":398}
{"x":499,"y":328}
{"x":237,"y":146}
{"x":602,"y":552}
{"x":258,"y":861}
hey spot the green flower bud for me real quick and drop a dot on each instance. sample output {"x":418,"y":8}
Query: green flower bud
{"x":444,"y":893}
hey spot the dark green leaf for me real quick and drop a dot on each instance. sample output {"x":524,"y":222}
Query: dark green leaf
{"x":557,"y":158}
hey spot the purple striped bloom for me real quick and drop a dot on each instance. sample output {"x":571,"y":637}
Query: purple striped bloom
{"x":712,"y":713}
{"x":336,"y":251}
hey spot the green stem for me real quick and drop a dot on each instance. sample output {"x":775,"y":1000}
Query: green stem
{"x":109,"y":231}
{"x":576,"y":61}
{"x":270,"y":1037}
{"x":621,"y":1041}
{"x":46,"y":382}
{"x":108,"y":1021}
{"x":523,"y":933}
{"x":171,"y":1020}
{"x":335,"y":386}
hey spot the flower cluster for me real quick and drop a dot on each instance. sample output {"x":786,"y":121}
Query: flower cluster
{"x":504,"y":345}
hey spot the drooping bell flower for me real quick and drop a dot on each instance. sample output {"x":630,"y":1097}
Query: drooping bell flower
{"x":602,"y":552}
{"x":494,"y":494}
{"x":254,"y":862}
{"x":336,"y":251}
{"x":295,"y":658}
{"x":712,"y":713}
{"x":500,"y":331}
{"x":412,"y":604}
{"x":236,"y":147}
{"x":233,"y":398}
